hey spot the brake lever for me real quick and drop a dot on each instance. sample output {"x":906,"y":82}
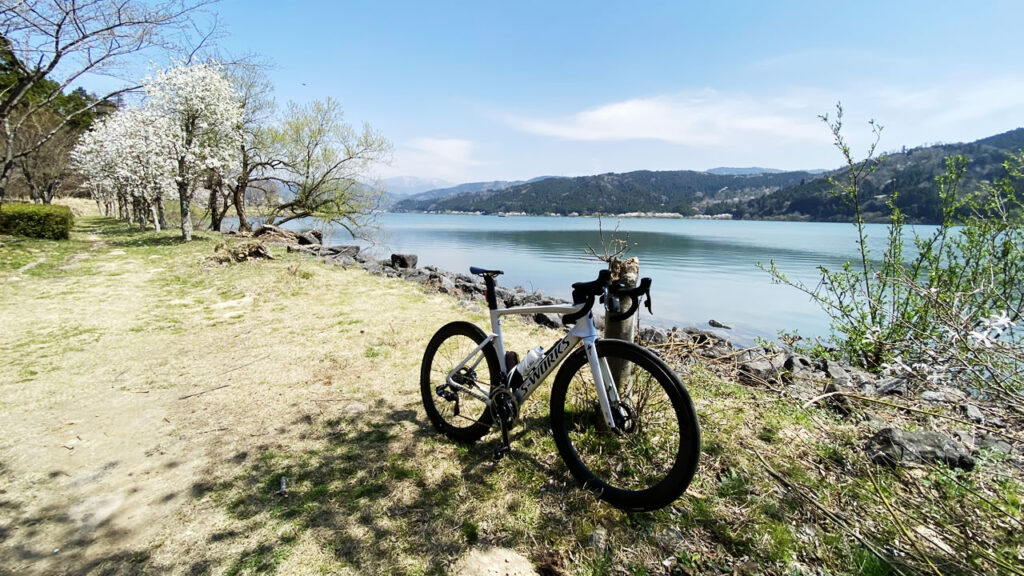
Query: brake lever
{"x":645,"y":285}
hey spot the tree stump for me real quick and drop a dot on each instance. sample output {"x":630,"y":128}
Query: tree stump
{"x":627,"y":272}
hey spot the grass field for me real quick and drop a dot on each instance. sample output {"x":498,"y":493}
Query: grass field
{"x":152,"y":403}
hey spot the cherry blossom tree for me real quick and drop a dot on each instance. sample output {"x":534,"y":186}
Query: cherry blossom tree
{"x":46,"y":45}
{"x":128,"y":157}
{"x":206,"y":113}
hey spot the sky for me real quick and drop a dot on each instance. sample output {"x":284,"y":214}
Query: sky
{"x":477,"y":91}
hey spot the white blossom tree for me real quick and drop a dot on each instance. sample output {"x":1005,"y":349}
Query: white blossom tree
{"x":46,"y":45}
{"x":206,"y":113}
{"x":130,"y":155}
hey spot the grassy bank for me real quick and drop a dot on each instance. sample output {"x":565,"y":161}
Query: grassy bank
{"x":152,"y":403}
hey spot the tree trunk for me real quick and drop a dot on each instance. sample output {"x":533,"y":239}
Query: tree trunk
{"x":628,"y":273}
{"x":5,"y":171}
{"x":239,"y":194}
{"x":161,"y":217}
{"x":186,"y":216}
{"x":184,"y":200}
{"x":122,"y":207}
{"x":156,"y":216}
{"x":214,"y":208}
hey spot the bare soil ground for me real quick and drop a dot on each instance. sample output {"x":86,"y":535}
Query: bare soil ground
{"x":137,"y":380}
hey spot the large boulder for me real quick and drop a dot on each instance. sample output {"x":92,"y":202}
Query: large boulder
{"x":764,"y":370}
{"x":352,"y":251}
{"x":404,"y":260}
{"x":892,"y":446}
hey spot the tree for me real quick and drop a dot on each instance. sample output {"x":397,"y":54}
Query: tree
{"x":46,"y":45}
{"x":324,"y":160}
{"x":255,"y":92}
{"x":129,"y":158}
{"x":206,"y":114}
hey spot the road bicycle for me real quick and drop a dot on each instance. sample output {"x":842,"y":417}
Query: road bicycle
{"x":622,"y":421}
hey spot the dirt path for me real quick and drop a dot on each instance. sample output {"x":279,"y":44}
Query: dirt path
{"x":142,"y":388}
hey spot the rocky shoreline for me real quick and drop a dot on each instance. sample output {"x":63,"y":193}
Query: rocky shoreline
{"x":843,"y":388}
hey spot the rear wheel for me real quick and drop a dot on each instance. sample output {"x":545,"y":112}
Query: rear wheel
{"x":648,"y":460}
{"x":453,"y":411}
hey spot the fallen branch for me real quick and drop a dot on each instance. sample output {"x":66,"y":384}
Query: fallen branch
{"x":204,"y":391}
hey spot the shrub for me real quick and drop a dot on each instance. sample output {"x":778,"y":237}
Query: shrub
{"x":36,"y":220}
{"x":947,"y":311}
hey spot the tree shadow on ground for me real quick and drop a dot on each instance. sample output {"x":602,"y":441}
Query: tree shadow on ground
{"x":53,"y":540}
{"x":376,"y":493}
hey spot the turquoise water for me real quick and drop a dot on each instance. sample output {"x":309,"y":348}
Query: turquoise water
{"x":701,"y":269}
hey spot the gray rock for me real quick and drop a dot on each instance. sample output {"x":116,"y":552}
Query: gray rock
{"x":966,"y":438}
{"x":548,"y":320}
{"x":799,"y":368}
{"x":763,"y":370}
{"x":340,"y":260}
{"x":933,"y":396}
{"x":996,"y":423}
{"x":404,"y":260}
{"x":838,"y":402}
{"x":669,"y":539}
{"x":702,"y":337}
{"x":505,"y":296}
{"x":892,"y":446}
{"x":652,"y":335}
{"x":896,"y":386}
{"x":598,"y":539}
{"x":836,"y":372}
{"x":373,"y":267}
{"x":994,"y":443}
{"x":677,"y":335}
{"x":717,"y":350}
{"x":347,"y":250}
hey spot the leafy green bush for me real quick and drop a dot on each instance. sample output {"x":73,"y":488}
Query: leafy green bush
{"x":948,"y":311}
{"x":36,"y":220}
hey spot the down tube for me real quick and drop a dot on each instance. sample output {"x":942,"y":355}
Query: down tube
{"x":551,"y":360}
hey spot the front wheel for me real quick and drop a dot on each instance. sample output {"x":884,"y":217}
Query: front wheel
{"x":451,"y":408}
{"x":649,"y":458}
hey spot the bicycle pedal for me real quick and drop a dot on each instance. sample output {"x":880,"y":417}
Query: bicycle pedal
{"x":500,"y":451}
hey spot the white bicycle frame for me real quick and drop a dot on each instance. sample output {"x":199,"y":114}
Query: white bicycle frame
{"x":584,"y":331}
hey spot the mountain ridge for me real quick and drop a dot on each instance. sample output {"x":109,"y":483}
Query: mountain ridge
{"x":790,"y":195}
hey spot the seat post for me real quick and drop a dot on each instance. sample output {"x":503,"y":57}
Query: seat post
{"x":492,"y":299}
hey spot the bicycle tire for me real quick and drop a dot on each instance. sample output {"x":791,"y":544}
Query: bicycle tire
{"x":642,"y":470}
{"x":460,"y":417}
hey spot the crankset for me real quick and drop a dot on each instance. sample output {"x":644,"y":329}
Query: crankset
{"x":505,"y":410}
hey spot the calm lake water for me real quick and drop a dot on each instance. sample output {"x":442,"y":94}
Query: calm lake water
{"x":701,"y":269}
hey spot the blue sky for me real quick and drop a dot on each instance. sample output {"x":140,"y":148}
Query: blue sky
{"x":471,"y":91}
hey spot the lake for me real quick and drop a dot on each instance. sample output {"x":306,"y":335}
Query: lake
{"x":701,"y":269}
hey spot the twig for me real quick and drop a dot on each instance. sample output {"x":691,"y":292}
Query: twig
{"x":240,"y":366}
{"x":917,"y":410}
{"x":835,"y":518}
{"x":204,"y":391}
{"x":899,"y":524}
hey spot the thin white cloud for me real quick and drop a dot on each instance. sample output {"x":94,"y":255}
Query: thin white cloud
{"x":706,"y":119}
{"x":443,"y":158}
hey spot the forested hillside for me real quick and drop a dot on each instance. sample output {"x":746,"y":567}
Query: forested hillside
{"x":909,"y":173}
{"x":684,"y":192}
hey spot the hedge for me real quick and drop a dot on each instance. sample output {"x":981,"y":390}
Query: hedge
{"x":36,"y":220}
